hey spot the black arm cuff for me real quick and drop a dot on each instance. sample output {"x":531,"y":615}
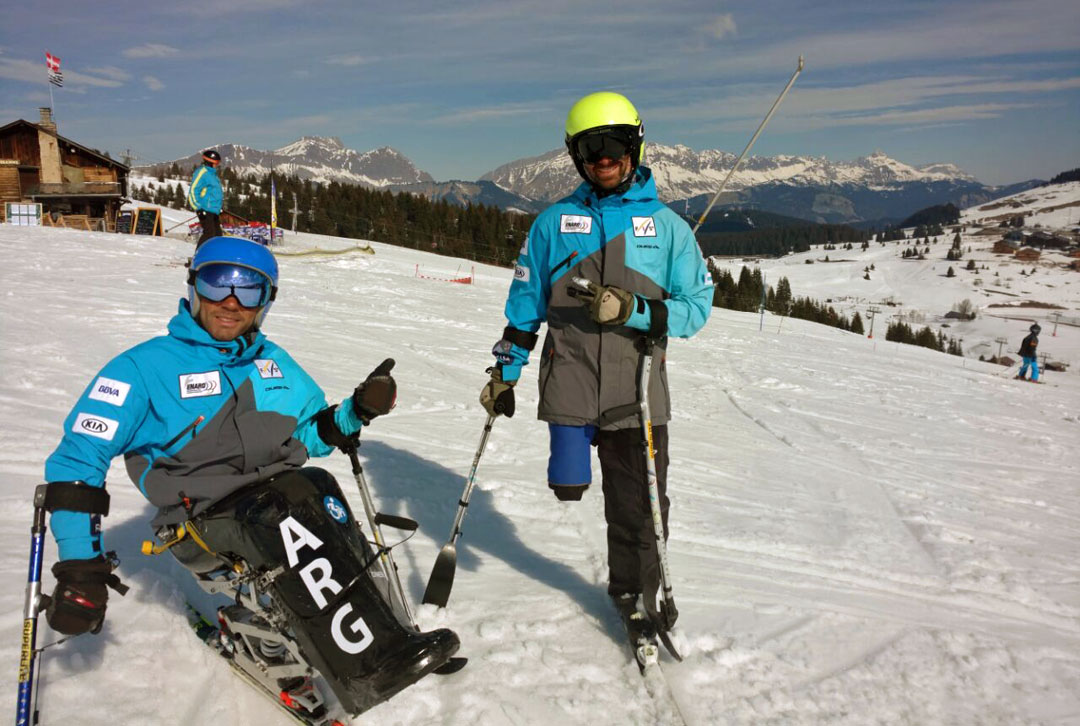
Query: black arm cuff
{"x":328,"y":430}
{"x":658,"y":313}
{"x":73,"y":496}
{"x":520,"y":338}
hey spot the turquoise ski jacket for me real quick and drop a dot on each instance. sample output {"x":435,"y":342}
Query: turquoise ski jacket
{"x":205,"y":191}
{"x":194,"y":418}
{"x":632,"y":241}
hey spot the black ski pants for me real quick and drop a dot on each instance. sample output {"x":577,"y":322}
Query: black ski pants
{"x":211,"y":226}
{"x":633,"y":564}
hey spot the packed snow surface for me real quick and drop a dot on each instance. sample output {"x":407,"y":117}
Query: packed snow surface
{"x":862,"y":532}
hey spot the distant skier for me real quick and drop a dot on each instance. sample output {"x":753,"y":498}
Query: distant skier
{"x":205,"y":197}
{"x":215,"y":423}
{"x":651,"y":281}
{"x":1028,"y":351}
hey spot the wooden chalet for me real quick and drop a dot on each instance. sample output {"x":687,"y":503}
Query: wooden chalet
{"x":76,"y":186}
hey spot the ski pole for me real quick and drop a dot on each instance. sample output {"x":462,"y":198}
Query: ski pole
{"x":28,"y":658}
{"x":671,"y":612}
{"x":442,"y":574}
{"x":738,"y":161}
{"x":374,"y":520}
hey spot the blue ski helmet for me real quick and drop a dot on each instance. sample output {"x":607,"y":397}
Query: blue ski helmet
{"x":238,"y":258}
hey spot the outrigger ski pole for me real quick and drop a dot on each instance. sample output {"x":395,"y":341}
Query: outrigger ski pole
{"x":386,"y":560}
{"x":28,"y":658}
{"x":442,"y":574}
{"x":668,"y":605}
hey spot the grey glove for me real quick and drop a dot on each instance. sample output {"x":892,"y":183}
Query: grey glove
{"x":608,"y":305}
{"x":497,"y":395}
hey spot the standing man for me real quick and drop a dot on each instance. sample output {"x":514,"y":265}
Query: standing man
{"x":1028,"y":351}
{"x":204,"y":196}
{"x":649,"y":281}
{"x":216,"y":423}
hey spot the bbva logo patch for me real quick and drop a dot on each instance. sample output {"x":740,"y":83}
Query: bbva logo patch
{"x":109,"y":390}
{"x":575,"y":224}
{"x":97,"y":426}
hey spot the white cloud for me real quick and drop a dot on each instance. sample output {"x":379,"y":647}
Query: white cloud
{"x":153,"y":83}
{"x":722,"y":26}
{"x":151,"y":50}
{"x":116,"y":74}
{"x":352,"y":59}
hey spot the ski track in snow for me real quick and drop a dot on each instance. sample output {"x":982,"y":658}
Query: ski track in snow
{"x":861,"y":532}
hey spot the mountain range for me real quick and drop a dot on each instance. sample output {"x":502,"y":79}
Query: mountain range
{"x":873,"y":189}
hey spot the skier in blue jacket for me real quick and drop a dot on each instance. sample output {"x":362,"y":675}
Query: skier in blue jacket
{"x":205,"y":197}
{"x":648,"y":280}
{"x":212,"y":419}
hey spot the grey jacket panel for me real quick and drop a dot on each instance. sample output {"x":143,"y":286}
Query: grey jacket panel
{"x":239,"y":446}
{"x":587,"y":369}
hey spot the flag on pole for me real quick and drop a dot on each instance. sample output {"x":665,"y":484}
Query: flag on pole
{"x":55,"y":76}
{"x":273,"y":205}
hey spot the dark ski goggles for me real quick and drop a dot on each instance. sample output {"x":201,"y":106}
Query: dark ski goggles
{"x":251,"y":288}
{"x":612,"y":142}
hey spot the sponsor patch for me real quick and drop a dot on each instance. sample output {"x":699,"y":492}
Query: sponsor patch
{"x":268,"y":368}
{"x":644,"y":226}
{"x":97,"y":426}
{"x":196,"y":385}
{"x":524,"y":247}
{"x":521,"y":273}
{"x":335,"y":509}
{"x":109,"y":390}
{"x":708,"y":278}
{"x":575,"y":224}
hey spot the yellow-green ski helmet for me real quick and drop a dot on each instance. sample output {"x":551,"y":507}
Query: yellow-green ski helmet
{"x":600,"y":115}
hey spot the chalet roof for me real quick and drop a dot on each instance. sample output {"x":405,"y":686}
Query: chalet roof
{"x":96,"y":154}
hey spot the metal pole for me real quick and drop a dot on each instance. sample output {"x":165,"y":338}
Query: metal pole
{"x":738,"y":162}
{"x":28,"y":658}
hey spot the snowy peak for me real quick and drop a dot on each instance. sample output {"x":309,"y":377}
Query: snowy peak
{"x":682,"y":173}
{"x":322,"y":159}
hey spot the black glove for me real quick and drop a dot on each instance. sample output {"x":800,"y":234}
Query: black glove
{"x":497,"y":395}
{"x":377,"y":394}
{"x":77,"y":604}
{"x":608,"y":305}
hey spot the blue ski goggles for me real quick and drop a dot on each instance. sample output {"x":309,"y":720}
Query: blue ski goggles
{"x":251,"y":288}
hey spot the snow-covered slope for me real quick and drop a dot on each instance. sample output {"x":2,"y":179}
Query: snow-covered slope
{"x":1009,"y":294}
{"x":862,"y":532}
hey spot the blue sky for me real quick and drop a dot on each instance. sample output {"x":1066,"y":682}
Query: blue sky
{"x":462,"y":87}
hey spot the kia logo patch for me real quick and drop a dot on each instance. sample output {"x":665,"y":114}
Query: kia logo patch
{"x":97,"y":426}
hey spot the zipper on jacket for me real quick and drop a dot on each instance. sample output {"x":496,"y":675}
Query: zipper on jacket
{"x":190,"y":427}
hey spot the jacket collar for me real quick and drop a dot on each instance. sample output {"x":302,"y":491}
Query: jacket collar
{"x":642,"y":190}
{"x":185,"y":328}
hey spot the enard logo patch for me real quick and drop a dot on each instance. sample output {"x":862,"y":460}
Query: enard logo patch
{"x":575,"y":224}
{"x":195,"y":385}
